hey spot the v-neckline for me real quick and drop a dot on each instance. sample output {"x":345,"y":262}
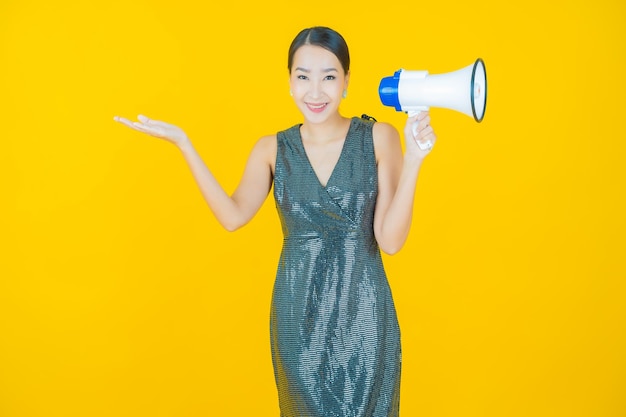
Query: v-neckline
{"x":341,"y":156}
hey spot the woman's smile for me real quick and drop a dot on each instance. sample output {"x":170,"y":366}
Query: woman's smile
{"x":316,"y":108}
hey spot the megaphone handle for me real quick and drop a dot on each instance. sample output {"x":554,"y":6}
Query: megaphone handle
{"x":423,"y":146}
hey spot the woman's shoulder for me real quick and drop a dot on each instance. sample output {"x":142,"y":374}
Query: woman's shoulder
{"x":264,"y":150}
{"x":269,"y":143}
{"x":290,"y":131}
{"x":379,"y":129}
{"x":386,"y":138}
{"x":384,"y":134}
{"x":383,"y":130}
{"x":266,"y":144}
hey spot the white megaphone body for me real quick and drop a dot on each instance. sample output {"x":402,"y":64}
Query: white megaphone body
{"x":464,"y":90}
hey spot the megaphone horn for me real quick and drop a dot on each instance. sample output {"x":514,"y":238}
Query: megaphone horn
{"x":464,"y":90}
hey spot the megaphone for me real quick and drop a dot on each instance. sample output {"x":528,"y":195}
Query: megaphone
{"x":464,"y":90}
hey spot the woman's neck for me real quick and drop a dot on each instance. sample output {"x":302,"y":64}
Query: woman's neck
{"x":331,"y":129}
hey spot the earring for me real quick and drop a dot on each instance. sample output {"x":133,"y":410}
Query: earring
{"x":291,"y":93}
{"x":345,"y":94}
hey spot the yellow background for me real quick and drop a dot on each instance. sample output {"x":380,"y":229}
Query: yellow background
{"x":120,"y":295}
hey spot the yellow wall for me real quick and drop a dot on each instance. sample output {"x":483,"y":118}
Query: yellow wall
{"x":121,"y":296}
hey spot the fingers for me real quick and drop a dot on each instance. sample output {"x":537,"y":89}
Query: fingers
{"x":423,"y":120}
{"x":126,"y":122}
{"x":145,"y":125}
{"x":150,"y":122}
{"x":426,"y":131}
{"x":123,"y":121}
{"x":423,"y":127}
{"x":426,"y":135}
{"x":420,"y":117}
{"x":143,"y":119}
{"x":148,"y":128}
{"x":423,"y":133}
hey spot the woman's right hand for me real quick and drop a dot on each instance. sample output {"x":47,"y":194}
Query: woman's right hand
{"x":156,"y":128}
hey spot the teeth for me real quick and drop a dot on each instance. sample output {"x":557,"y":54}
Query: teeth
{"x":317,"y":107}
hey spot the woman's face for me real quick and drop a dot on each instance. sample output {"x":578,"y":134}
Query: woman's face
{"x":317,"y":82}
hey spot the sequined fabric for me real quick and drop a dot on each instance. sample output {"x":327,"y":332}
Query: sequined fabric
{"x":334,"y":333}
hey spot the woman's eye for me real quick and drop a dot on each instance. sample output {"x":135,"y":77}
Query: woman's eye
{"x":330,"y":77}
{"x":302,"y":77}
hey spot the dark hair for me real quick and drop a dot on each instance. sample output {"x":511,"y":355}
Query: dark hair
{"x":325,"y":38}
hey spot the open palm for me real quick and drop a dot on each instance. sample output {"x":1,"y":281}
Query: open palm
{"x":156,"y":128}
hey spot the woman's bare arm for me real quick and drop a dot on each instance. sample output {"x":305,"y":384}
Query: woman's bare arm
{"x":234,"y":211}
{"x":397,"y":178}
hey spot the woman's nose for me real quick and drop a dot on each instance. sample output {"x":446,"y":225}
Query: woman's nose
{"x":315,"y":90}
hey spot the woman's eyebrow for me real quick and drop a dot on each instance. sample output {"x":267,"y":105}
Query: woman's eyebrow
{"x":308,"y":70}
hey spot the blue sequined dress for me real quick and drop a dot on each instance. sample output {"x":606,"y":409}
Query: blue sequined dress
{"x":334,"y":333}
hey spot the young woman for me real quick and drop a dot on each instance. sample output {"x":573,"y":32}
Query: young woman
{"x":343,"y":189}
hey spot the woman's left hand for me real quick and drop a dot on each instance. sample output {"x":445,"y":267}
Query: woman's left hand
{"x":422,"y":133}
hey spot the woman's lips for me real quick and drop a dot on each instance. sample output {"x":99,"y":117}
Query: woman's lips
{"x":316,"y":108}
